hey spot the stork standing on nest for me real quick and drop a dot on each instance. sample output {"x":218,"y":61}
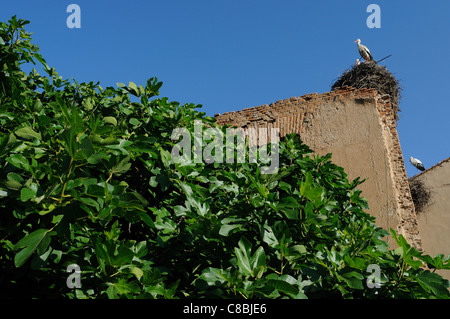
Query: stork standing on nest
{"x":364,"y":51}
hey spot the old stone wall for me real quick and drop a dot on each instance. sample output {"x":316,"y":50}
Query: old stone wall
{"x":434,"y":218}
{"x":358,"y":128}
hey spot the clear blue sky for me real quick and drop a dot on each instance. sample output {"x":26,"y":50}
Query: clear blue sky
{"x":233,"y":54}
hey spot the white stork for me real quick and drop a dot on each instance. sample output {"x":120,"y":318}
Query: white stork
{"x":417,"y":163}
{"x":364,"y":51}
{"x":358,"y":62}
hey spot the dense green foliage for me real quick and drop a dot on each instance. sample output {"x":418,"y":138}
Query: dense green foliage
{"x":87,"y":178}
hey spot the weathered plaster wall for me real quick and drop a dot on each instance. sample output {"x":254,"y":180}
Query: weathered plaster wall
{"x":358,"y":128}
{"x":434,"y":219}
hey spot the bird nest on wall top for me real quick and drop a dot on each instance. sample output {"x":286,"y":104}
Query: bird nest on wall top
{"x":420,"y":194}
{"x":371,"y":75}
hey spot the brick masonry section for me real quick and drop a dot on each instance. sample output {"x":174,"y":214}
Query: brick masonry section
{"x":358,"y":127}
{"x":408,"y":225}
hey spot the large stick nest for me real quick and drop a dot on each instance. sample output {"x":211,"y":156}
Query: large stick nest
{"x":420,"y":194}
{"x":371,"y":75}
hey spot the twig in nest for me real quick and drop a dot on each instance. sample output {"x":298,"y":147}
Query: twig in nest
{"x":420,"y":194}
{"x":372,"y":76}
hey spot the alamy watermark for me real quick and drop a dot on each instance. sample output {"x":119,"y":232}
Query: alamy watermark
{"x":374,"y":19}
{"x":374,"y":279}
{"x":74,"y":19}
{"x":211,"y":145}
{"x":74,"y":279}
